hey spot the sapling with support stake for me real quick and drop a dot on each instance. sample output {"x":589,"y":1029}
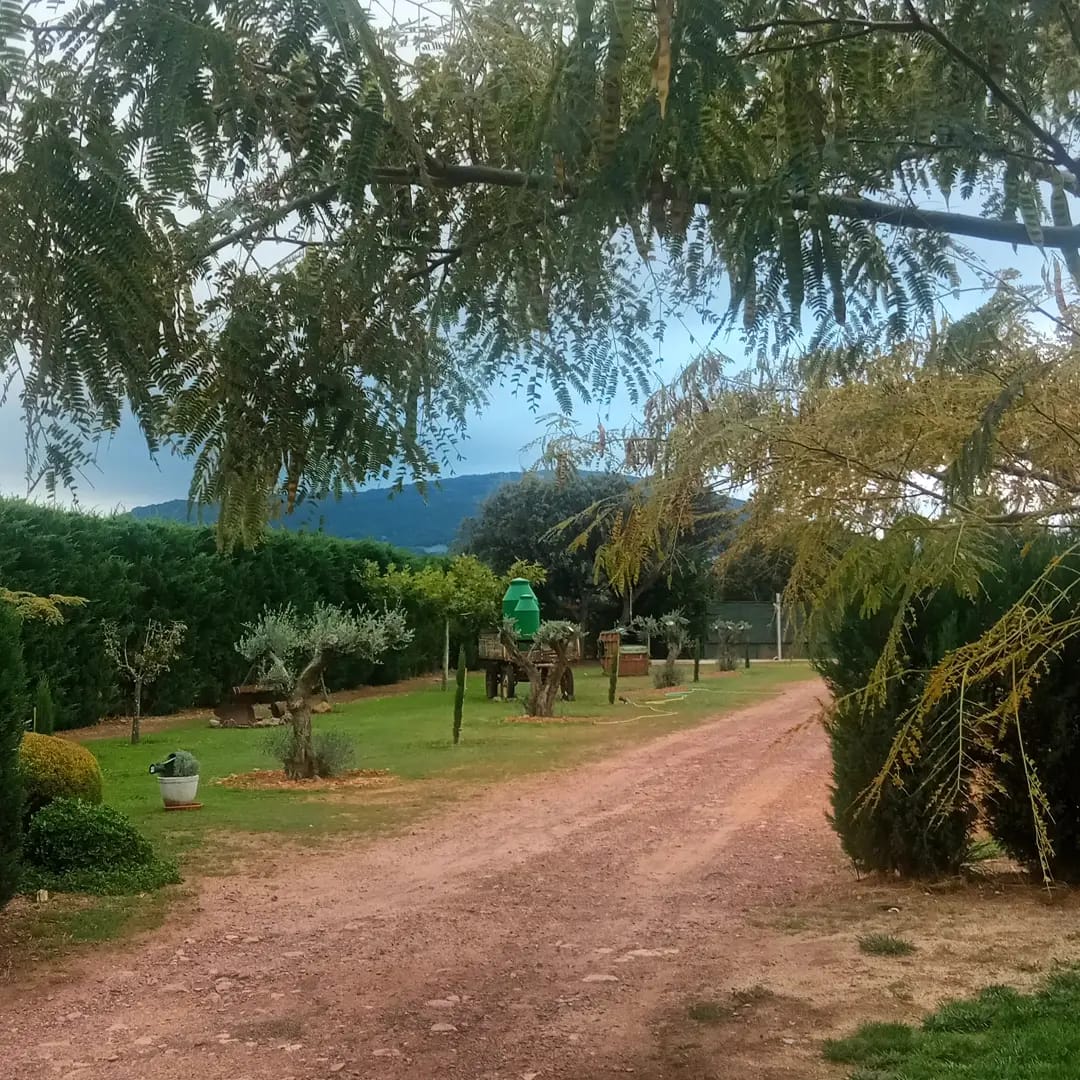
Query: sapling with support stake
{"x":141,"y":658}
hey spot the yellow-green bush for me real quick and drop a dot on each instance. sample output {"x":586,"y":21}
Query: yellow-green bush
{"x":54,"y":768}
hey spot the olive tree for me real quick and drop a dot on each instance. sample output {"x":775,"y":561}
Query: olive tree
{"x":728,"y":635}
{"x":554,"y":640}
{"x":673,"y":628}
{"x":291,"y":652}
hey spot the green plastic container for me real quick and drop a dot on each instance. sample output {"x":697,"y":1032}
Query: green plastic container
{"x":521,"y":605}
{"x":527,"y":617}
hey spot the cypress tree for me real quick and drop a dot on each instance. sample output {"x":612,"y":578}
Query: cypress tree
{"x":44,"y":707}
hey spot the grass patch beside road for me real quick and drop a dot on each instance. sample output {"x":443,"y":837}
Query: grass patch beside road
{"x":998,"y":1035}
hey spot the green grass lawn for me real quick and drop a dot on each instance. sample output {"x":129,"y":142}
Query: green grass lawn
{"x":999,"y":1035}
{"x":408,"y":735}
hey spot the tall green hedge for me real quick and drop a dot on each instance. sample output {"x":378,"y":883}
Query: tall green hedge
{"x":13,"y":709}
{"x":131,"y":570}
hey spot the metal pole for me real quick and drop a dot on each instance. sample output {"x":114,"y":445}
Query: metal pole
{"x":779,"y":628}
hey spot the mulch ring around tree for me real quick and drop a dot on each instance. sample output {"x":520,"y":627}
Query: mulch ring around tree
{"x":275,"y":780}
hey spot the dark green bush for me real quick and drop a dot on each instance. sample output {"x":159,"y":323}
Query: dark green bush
{"x":12,"y":714}
{"x":71,"y":834}
{"x":75,"y":846}
{"x":901,"y":832}
{"x":131,"y":570}
{"x":1050,"y":722}
{"x":904,"y":831}
{"x":1050,"y":726}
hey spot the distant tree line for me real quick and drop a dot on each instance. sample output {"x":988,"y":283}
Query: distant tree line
{"x":539,"y":518}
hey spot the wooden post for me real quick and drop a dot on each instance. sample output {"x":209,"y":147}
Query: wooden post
{"x":697,"y":660}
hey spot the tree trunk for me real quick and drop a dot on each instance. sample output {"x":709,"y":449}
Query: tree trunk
{"x":446,"y":655}
{"x":697,"y":659}
{"x":136,"y":716}
{"x":672,"y":656}
{"x":613,"y":678}
{"x":300,"y":764}
{"x":544,"y":692}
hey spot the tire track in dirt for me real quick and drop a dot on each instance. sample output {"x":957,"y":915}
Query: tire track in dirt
{"x":547,"y":927}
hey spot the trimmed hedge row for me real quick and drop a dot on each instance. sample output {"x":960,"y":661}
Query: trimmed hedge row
{"x":131,"y":570}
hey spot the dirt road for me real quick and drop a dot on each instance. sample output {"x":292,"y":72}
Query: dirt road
{"x":550,"y":928}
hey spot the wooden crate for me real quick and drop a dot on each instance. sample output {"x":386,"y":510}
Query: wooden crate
{"x":633,"y":660}
{"x":492,"y":648}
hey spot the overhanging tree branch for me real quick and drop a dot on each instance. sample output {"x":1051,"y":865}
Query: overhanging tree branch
{"x":845,"y":207}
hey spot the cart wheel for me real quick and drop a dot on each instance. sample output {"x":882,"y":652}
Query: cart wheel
{"x":491,"y":683}
{"x":567,"y":685}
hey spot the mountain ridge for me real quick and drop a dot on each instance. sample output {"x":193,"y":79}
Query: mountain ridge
{"x":407,"y":519}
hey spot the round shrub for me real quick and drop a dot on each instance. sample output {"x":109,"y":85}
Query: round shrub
{"x":55,"y":768}
{"x":70,"y":835}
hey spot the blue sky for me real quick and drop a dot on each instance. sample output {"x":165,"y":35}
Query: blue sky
{"x":125,"y":474}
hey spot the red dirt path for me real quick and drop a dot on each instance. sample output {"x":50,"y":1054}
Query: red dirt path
{"x":545,"y":929}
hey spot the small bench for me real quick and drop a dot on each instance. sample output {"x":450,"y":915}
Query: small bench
{"x":238,"y":710}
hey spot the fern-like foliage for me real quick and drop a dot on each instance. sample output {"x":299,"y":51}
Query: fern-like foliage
{"x":298,"y":244}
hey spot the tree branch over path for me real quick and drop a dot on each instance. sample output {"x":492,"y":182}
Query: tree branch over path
{"x":844,"y":207}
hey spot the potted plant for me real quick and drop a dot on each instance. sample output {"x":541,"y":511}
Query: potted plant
{"x":178,"y":778}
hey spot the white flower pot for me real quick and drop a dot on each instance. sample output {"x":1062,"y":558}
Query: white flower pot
{"x":178,"y":790}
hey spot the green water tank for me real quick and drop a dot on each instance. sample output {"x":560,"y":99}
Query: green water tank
{"x":527,"y":617}
{"x":520,"y":604}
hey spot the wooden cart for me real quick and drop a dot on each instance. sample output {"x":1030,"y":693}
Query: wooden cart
{"x":501,"y":674}
{"x":238,"y":709}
